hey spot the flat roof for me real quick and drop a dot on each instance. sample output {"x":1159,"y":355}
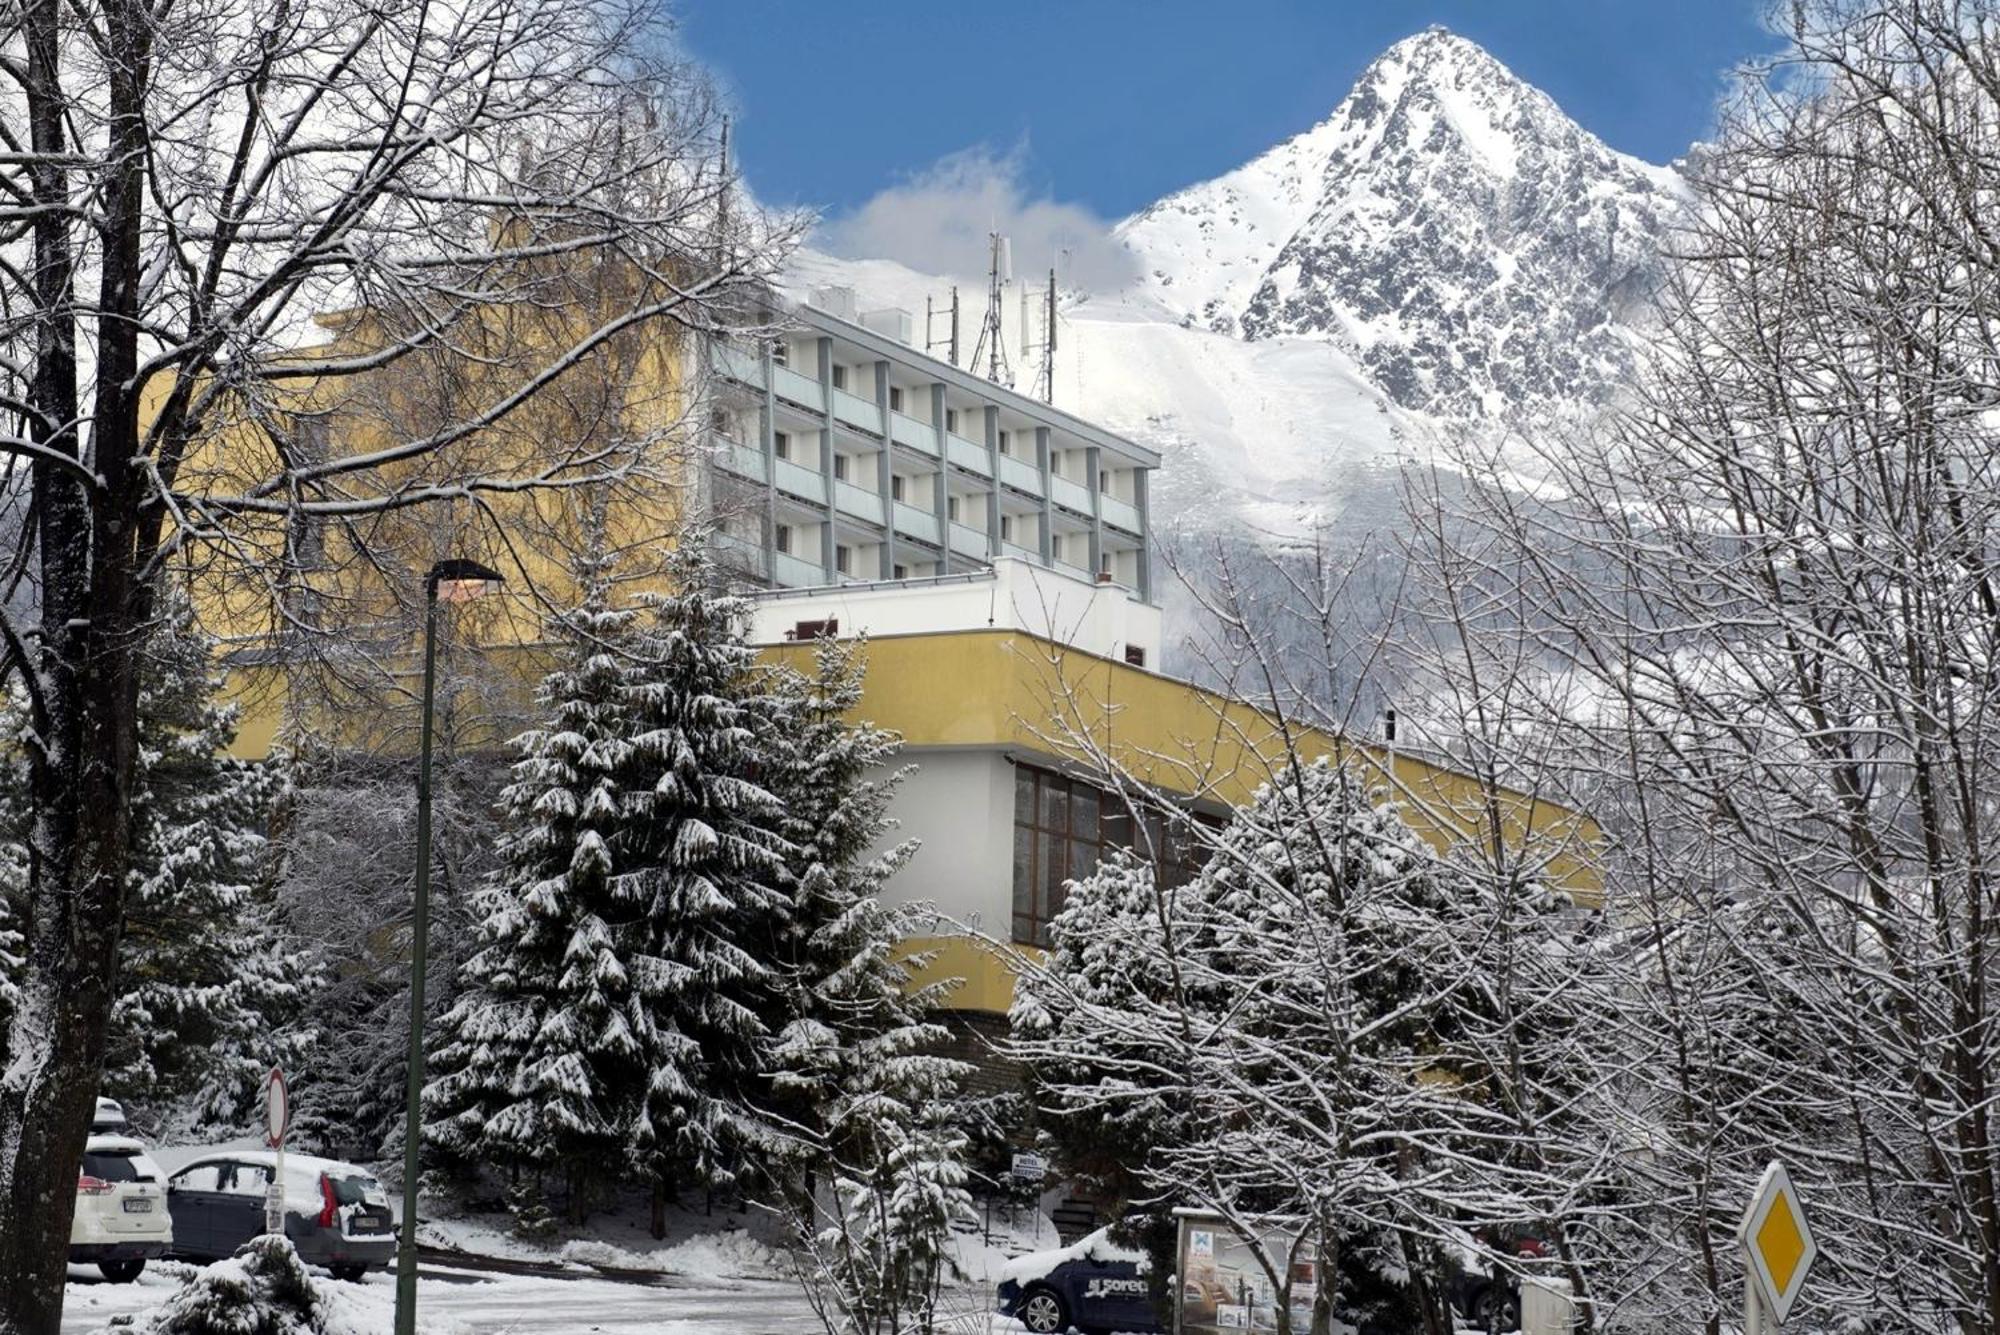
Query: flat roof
{"x":891,"y":350}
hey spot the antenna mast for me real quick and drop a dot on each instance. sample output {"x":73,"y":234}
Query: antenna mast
{"x":1043,"y":352}
{"x":950,"y":340}
{"x":992,"y":344}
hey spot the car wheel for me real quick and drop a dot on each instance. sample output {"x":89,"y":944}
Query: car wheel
{"x":350,"y":1274}
{"x":1042,"y":1312}
{"x":121,"y":1272}
{"x":1496,"y":1310}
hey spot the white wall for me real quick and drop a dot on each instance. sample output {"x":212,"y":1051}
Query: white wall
{"x":1014,"y":595}
{"x":960,"y":806}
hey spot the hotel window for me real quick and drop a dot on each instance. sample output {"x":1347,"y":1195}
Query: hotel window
{"x":1007,"y":528}
{"x":840,"y":377}
{"x":951,"y":508}
{"x":843,"y":559}
{"x":951,"y":419}
{"x":781,"y":444}
{"x":840,"y":467}
{"x":782,"y":538}
{"x":1056,"y":547}
{"x":895,"y":398}
{"x":899,"y":571}
{"x":895,"y":486}
{"x":1063,"y":828}
{"x":1007,"y":442}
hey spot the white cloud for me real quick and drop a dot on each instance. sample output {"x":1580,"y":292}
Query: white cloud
{"x":937,"y":222}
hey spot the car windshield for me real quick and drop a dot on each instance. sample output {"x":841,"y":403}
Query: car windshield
{"x":351,"y":1190}
{"x":116,"y":1166}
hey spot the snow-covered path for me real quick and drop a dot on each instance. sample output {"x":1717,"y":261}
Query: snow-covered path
{"x":466,"y":1302}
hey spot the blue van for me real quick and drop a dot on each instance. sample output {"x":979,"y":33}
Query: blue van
{"x":1093,"y":1285}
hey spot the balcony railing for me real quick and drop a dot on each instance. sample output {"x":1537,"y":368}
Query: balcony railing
{"x":799,"y":480}
{"x":857,"y":412}
{"x":967,"y":455}
{"x":793,"y":573}
{"x":740,"y":554}
{"x":1023,"y":476}
{"x":739,"y":364}
{"x":802,"y":390}
{"x":740,"y":459}
{"x":1069,"y":494}
{"x":919,"y":436}
{"x":969,"y":542}
{"x":857,"y":501}
{"x":917,"y":523}
{"x":1121,"y":514}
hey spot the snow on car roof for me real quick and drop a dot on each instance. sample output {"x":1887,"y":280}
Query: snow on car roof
{"x":1096,"y":1246}
{"x":100,"y":1143}
{"x":294,"y":1163}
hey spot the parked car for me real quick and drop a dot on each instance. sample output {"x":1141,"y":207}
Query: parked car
{"x":1489,"y":1297}
{"x":109,"y":1116}
{"x":337,"y":1215}
{"x":122,"y":1220}
{"x":1093,"y":1284}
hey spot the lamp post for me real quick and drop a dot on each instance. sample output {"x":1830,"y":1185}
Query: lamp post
{"x":451,"y":581}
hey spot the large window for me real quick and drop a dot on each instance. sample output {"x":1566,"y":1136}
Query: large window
{"x":1062,"y":829}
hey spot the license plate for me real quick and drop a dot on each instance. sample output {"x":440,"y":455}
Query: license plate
{"x":138,"y":1207}
{"x":367,"y":1224}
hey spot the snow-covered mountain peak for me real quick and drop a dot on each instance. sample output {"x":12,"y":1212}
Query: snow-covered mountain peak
{"x":1448,"y":225}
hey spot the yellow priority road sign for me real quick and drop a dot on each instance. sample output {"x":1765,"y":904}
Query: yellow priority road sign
{"x":1777,"y":1242}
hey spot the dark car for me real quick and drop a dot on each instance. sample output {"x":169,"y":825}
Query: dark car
{"x":337,"y":1215}
{"x":1093,"y":1285}
{"x":1489,"y":1297}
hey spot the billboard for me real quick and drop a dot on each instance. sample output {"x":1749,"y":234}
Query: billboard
{"x":1233,"y":1282}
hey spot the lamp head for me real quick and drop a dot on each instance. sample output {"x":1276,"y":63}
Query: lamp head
{"x":459,"y":581}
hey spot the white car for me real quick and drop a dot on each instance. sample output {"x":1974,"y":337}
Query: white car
{"x":121,"y":1209}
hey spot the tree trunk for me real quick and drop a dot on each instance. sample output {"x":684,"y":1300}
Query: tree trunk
{"x":659,"y":1207}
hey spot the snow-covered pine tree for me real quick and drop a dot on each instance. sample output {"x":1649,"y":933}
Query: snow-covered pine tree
{"x":542,"y":1063}
{"x":211,"y":992}
{"x":1283,"y":1034}
{"x":872,"y":1155}
{"x":707,"y":884}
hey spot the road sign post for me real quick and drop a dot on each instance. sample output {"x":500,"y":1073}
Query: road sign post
{"x":277,"y":1121}
{"x":1778,"y":1252}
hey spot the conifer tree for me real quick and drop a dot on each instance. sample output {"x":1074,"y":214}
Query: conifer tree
{"x":542,"y":1060}
{"x":211,"y":993}
{"x":708,"y":890}
{"x":873,"y":1153}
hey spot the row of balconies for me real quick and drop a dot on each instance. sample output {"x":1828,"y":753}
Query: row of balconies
{"x":920,"y":437}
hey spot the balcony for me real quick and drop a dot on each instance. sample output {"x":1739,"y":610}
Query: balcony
{"x":919,"y":524}
{"x":857,"y":412}
{"x":739,"y":554}
{"x":969,"y":542}
{"x":740,"y":459}
{"x":1069,"y":495}
{"x":795,"y":388}
{"x":1121,"y":514}
{"x":857,"y":501}
{"x":967,"y":455}
{"x":739,"y":364}
{"x":793,"y":573}
{"x":1021,"y":476}
{"x":799,"y":481}
{"x":1015,"y":549}
{"x":919,"y":436}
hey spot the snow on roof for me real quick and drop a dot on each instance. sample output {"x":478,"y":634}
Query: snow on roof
{"x":1090,"y":1247}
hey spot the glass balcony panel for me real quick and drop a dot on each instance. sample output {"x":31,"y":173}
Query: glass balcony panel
{"x":967,"y":455}
{"x":1070,"y":494}
{"x":857,"y":412}
{"x":917,"y":435}
{"x":799,"y":480}
{"x":802,"y":390}
{"x":917,"y":523}
{"x":1121,"y":514}
{"x":1016,"y":473}
{"x":857,"y":501}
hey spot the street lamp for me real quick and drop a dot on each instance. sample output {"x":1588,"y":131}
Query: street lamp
{"x":450,"y":581}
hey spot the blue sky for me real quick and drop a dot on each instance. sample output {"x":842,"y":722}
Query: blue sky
{"x":1108,"y":104}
